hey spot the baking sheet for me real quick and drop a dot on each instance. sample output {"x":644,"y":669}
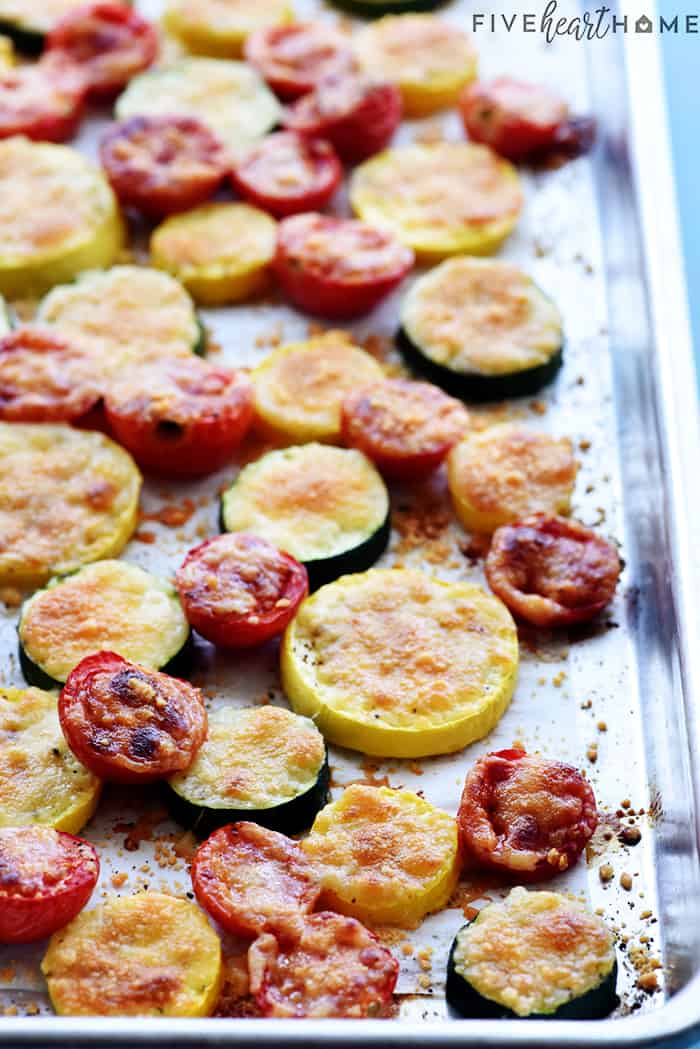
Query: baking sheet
{"x":578,"y":695}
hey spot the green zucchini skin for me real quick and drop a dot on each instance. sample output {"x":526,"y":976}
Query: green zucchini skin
{"x":201,"y":345}
{"x":28,"y":41}
{"x":475,"y":388}
{"x":386,"y":7}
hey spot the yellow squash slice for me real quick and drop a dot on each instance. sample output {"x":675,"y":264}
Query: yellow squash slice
{"x":220,"y":27}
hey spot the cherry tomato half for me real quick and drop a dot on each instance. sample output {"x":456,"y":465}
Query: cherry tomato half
{"x":108,"y":41}
{"x":46,"y":878}
{"x":239,"y":590}
{"x":552,"y":571}
{"x":356,"y":114}
{"x":286,"y":174}
{"x":338,"y":268}
{"x":293,"y":58}
{"x":162,"y":165}
{"x":525,"y":815}
{"x":129,"y":724}
{"x":45,"y":379}
{"x":180,"y":417}
{"x":43,"y":101}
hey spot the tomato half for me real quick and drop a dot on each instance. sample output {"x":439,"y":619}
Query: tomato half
{"x":286,"y":174}
{"x":162,"y":165}
{"x":44,"y":101}
{"x":46,"y":878}
{"x":293,"y":58}
{"x":129,"y":724}
{"x":337,"y":968}
{"x":356,"y":114}
{"x":180,"y":417}
{"x":252,"y":880}
{"x":406,"y":428}
{"x":524,"y":815}
{"x":338,"y":268}
{"x":45,"y":379}
{"x":108,"y":41}
{"x":239,"y":590}
{"x":552,"y":571}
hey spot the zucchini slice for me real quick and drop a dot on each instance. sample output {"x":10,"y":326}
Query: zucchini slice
{"x":220,"y":252}
{"x":110,"y":606}
{"x":5,"y":317}
{"x":398,"y":664}
{"x":41,"y":780}
{"x":482,"y":330}
{"x":365,"y":846}
{"x":219,"y":28}
{"x":452,"y":198}
{"x":299,"y":388}
{"x":229,"y":97}
{"x":125,"y":315}
{"x":262,"y":764}
{"x":67,"y":497}
{"x":27,"y":22}
{"x":58,"y":216}
{"x":534,"y":955}
{"x":143,"y":955}
{"x":327,"y":507}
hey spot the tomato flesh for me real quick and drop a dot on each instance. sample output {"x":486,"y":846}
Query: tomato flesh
{"x":524,"y":815}
{"x":45,"y":379}
{"x":162,"y":165}
{"x":286,"y":174}
{"x":46,"y":878}
{"x":129,"y":724}
{"x":44,"y":101}
{"x":293,"y":58}
{"x":239,"y":590}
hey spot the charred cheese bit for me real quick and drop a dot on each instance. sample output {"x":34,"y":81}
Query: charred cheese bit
{"x":385,"y":856}
{"x":126,"y":315}
{"x":534,"y":952}
{"x":396,"y":663}
{"x":35,"y":16}
{"x":41,"y":781}
{"x":67,"y":497}
{"x":220,"y":252}
{"x":508,"y":472}
{"x":299,"y":389}
{"x":220,"y":27}
{"x":452,"y":198}
{"x":144,"y":955}
{"x":430,"y":60}
{"x":58,"y":216}
{"x":111,"y":606}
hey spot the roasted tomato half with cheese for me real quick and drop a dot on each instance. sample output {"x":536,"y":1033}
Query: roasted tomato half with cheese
{"x":253,"y":880}
{"x":338,"y":268}
{"x":523,"y":121}
{"x":293,"y":58}
{"x":552,"y":571}
{"x":161,"y":165}
{"x":337,"y":968}
{"x":44,"y":101}
{"x":46,"y":878}
{"x":406,"y":428}
{"x":286,"y":173}
{"x":239,"y":590}
{"x":356,"y":114}
{"x":525,"y":815}
{"x":129,"y":724}
{"x":43,"y":378}
{"x":180,"y":418}
{"x":108,"y":41}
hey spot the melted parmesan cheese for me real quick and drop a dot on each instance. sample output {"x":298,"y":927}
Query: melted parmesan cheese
{"x":216,"y":239}
{"x":211,"y":22}
{"x":534,"y":951}
{"x":67,"y":497}
{"x":143,"y":955}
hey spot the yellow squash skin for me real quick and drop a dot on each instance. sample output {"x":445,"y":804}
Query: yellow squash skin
{"x":219,"y":28}
{"x":143,"y":955}
{"x":394,"y":663}
{"x":386,"y":857}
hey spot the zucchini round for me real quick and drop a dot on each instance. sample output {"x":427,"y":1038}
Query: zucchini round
{"x":262,"y":764}
{"x":5,"y":321}
{"x":327,"y":507}
{"x":398,"y":664}
{"x":219,"y":28}
{"x":67,"y":497}
{"x":41,"y":780}
{"x":536,"y":956}
{"x":482,"y":330}
{"x":27,"y":22}
{"x":58,"y":215}
{"x":109,"y":606}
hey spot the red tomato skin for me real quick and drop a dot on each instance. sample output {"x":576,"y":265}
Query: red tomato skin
{"x":25,"y":919}
{"x":329,"y":175}
{"x":259,"y":52}
{"x":44,"y":125}
{"x":492,"y":115}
